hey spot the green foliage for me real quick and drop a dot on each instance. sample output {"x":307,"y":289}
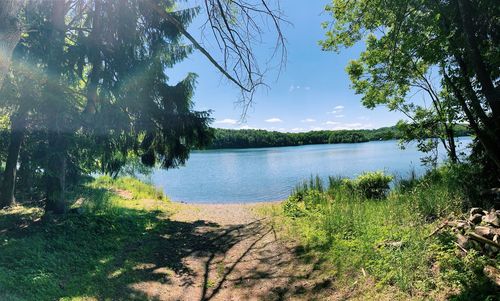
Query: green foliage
{"x":389,"y":239}
{"x":225,"y":138}
{"x":137,"y":188}
{"x":373,"y":185}
{"x":293,"y":206}
{"x":95,"y":96}
{"x":93,"y":254}
{"x":440,"y":49}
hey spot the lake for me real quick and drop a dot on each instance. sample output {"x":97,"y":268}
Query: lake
{"x":268,"y":174}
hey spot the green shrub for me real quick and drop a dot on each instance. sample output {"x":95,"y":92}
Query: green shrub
{"x":313,"y":198}
{"x":302,"y":201}
{"x":372,"y":185}
{"x":356,"y":233}
{"x":292,"y":207}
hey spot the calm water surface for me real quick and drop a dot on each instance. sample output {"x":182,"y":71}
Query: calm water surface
{"x":266,"y":174}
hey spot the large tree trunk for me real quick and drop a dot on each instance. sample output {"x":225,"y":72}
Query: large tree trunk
{"x":485,"y":126}
{"x":490,"y":144}
{"x":95,"y":61}
{"x":10,"y":33}
{"x":56,"y":166}
{"x":487,"y":87}
{"x":8,"y":184}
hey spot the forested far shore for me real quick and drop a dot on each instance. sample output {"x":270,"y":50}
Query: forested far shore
{"x":249,"y":138}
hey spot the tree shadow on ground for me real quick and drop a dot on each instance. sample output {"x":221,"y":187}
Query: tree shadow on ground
{"x":137,"y":255}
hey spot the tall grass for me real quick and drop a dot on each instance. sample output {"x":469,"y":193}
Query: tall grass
{"x":386,"y":238}
{"x":137,"y":188}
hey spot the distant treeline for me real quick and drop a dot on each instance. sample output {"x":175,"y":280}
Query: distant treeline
{"x":226,"y":138}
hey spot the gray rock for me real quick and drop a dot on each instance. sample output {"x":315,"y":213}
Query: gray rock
{"x":463,"y":241}
{"x":476,"y":218}
{"x":461,"y":225}
{"x":492,"y":219}
{"x":476,"y":210}
{"x":484,"y":232}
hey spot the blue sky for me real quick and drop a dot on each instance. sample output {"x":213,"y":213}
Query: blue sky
{"x":311,"y":93}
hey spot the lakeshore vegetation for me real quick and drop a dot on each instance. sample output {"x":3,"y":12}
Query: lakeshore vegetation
{"x":84,"y":90}
{"x":380,"y":242}
{"x":228,"y":138}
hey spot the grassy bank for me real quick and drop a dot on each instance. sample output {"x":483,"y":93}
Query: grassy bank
{"x":377,"y":245}
{"x":92,"y":253}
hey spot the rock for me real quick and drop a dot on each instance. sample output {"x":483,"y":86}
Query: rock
{"x":484,"y":231}
{"x":461,"y":225}
{"x":475,"y":219}
{"x":492,"y":219}
{"x":493,"y":274}
{"x":462,"y":241}
{"x":476,"y":210}
{"x":458,"y":225}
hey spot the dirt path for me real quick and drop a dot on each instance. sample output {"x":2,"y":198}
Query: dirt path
{"x":232,"y":255}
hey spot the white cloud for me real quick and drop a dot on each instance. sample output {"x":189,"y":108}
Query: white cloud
{"x":247,"y":127}
{"x":274,"y":120}
{"x":297,"y":87}
{"x":316,"y":128}
{"x":308,"y":120}
{"x":339,"y":116}
{"x":337,"y":109}
{"x":332,"y":122}
{"x":227,"y":121}
{"x":298,"y":130}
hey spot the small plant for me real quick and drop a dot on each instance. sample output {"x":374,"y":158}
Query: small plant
{"x":373,"y":185}
{"x":292,"y":207}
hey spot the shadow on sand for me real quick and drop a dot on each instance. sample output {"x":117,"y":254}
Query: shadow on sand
{"x":139,"y":255}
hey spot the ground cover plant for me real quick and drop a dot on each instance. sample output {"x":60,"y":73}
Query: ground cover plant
{"x":384,"y":241}
{"x":94,"y":251}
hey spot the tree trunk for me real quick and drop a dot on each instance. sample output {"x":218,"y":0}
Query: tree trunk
{"x":95,"y":61}
{"x":452,"y":148}
{"x":10,"y":33}
{"x":487,"y":87}
{"x":8,"y":184}
{"x":56,"y":166}
{"x":491,"y":146}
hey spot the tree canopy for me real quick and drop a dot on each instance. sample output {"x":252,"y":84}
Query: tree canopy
{"x":447,"y":49}
{"x":225,"y":138}
{"x":89,"y":86}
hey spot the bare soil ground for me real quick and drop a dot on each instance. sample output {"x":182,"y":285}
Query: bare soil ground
{"x":232,"y":254}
